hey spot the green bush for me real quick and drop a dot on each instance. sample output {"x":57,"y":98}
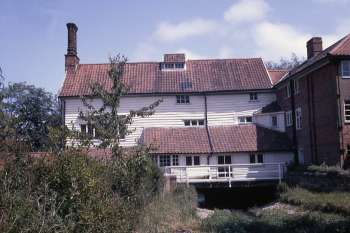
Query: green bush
{"x":74,"y":193}
{"x":337,"y":202}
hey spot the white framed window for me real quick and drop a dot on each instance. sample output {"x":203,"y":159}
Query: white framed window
{"x":298,"y":118}
{"x":88,"y":129}
{"x":175,"y":160}
{"x":182,"y":99}
{"x":166,"y":160}
{"x":245,"y":119}
{"x":289,"y":118}
{"x":347,"y":111}
{"x":253,"y":96}
{"x":193,"y":160}
{"x":345,"y":69}
{"x":288,"y":90}
{"x":296,"y":84}
{"x":256,"y":158}
{"x":274,"y":121}
{"x":173,"y":66}
{"x":198,"y":122}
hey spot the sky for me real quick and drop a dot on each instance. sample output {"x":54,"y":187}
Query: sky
{"x":33,"y":33}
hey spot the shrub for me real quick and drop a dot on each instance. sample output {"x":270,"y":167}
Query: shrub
{"x":74,"y":193}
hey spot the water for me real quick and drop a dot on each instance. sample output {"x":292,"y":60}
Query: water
{"x":236,"y":198}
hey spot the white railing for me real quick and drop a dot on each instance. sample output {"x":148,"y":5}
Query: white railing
{"x":226,"y":173}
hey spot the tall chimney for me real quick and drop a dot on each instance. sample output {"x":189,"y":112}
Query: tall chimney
{"x":314,"y":46}
{"x":71,"y":58}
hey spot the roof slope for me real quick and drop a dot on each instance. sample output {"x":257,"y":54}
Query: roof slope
{"x":277,"y":75}
{"x":148,"y":78}
{"x":235,"y":138}
{"x":339,"y":48}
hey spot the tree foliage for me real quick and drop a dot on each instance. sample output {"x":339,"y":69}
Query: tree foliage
{"x":111,"y":126}
{"x":27,"y":113}
{"x":285,"y":63}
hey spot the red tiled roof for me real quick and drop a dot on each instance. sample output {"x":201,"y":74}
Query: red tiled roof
{"x":276,"y":75}
{"x":339,"y":48}
{"x":199,"y":76}
{"x":235,"y":138}
{"x":177,"y":140}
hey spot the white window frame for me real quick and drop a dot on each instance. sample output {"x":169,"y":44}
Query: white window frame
{"x":194,"y":122}
{"x":171,"y":160}
{"x":182,"y":99}
{"x":289,"y":118}
{"x":342,"y":64}
{"x":172,"y":66}
{"x":347,"y":115}
{"x":272,"y":121}
{"x":242,"y":120}
{"x":298,"y":118}
{"x":256,"y":157}
{"x":192,"y":160}
{"x":288,"y":90}
{"x":253,"y":96}
{"x":296,"y":84}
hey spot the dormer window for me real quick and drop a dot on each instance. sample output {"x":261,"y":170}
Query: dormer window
{"x":175,"y":61}
{"x":173,"y":66}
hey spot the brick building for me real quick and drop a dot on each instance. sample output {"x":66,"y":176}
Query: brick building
{"x":316,"y":99}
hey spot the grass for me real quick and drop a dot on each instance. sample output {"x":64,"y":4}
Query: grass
{"x":274,"y":221}
{"x":171,"y":212}
{"x":335,"y":202}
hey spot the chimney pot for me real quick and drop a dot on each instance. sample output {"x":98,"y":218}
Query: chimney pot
{"x":314,"y":46}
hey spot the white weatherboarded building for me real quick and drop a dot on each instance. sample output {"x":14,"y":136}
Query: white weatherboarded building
{"x":218,"y":121}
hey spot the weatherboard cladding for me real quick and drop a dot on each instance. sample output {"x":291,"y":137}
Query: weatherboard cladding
{"x":224,"y":139}
{"x":199,"y":76}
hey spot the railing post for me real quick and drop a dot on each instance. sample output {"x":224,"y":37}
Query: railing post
{"x":187,"y":180}
{"x":229,"y":176}
{"x":279,"y":173}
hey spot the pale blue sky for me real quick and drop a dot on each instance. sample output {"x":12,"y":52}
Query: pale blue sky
{"x":33,"y":35}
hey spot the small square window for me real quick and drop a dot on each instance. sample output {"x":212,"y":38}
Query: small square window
{"x":252,"y":158}
{"x":187,"y":122}
{"x":83,"y":129}
{"x":194,"y":122}
{"x":274,"y":121}
{"x":179,"y":65}
{"x":253,"y":96}
{"x":175,"y":160}
{"x":196,"y":160}
{"x":345,"y":69}
{"x":164,"y":160}
{"x":183,"y":99}
{"x":200,"y":122}
{"x":347,"y":111}
{"x":188,"y":160}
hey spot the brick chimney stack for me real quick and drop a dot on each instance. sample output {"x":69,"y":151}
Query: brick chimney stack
{"x":71,"y":58}
{"x":314,"y":46}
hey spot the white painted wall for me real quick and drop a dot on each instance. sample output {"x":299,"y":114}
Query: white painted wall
{"x":265,"y":120}
{"x":223,"y":109}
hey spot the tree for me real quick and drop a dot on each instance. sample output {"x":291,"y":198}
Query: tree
{"x":28,"y":112}
{"x":284,"y":63}
{"x":110,"y":126}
